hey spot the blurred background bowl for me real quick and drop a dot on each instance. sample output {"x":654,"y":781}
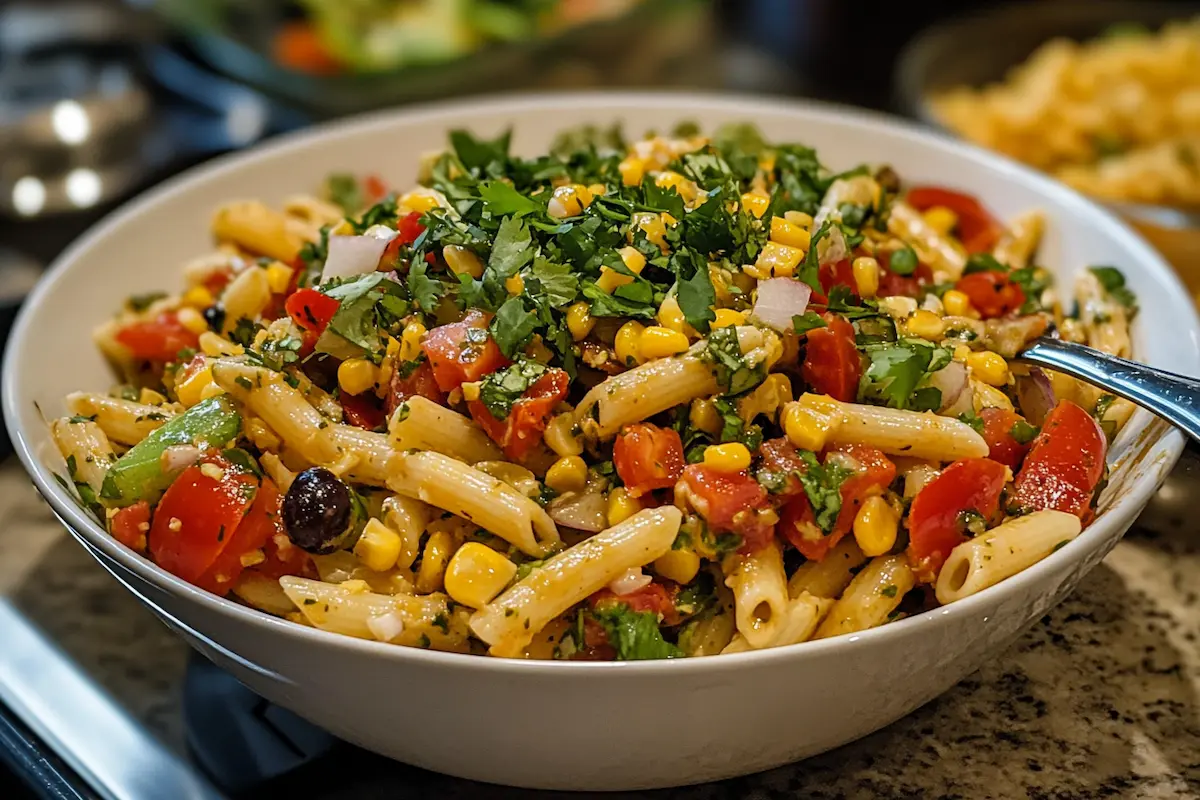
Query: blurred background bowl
{"x":980,"y":48}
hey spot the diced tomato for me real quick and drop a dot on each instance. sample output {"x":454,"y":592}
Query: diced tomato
{"x":523,"y":426}
{"x":891,"y":284}
{"x":285,"y":558}
{"x":936,"y":520}
{"x":462,"y":352}
{"x":190,"y":368}
{"x":1065,"y":462}
{"x":781,"y":457}
{"x":648,"y":457}
{"x":197,"y":516}
{"x":410,"y":228}
{"x":654,"y":596}
{"x":977,"y":229}
{"x":261,"y":522}
{"x":874,"y":472}
{"x":311,"y":310}
{"x":595,"y":643}
{"x":992,"y":293}
{"x":363,"y":410}
{"x":374,"y":188}
{"x":831,"y":362}
{"x":218,"y":279}
{"x":839,"y":273}
{"x":419,"y":382}
{"x":158,"y":340}
{"x":127,"y":524}
{"x":728,"y":501}
{"x":298,"y":46}
{"x":998,"y":433}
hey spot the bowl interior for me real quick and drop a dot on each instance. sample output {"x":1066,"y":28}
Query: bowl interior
{"x":143,"y":246}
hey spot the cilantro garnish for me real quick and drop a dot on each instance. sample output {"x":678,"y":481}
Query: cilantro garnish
{"x":695,"y":294}
{"x":502,"y":200}
{"x":1023,"y":432}
{"x":823,"y":487}
{"x":897,"y":369}
{"x":343,"y":191}
{"x":634,"y":634}
{"x":513,"y":326}
{"x":501,"y":389}
{"x":972,"y":419}
{"x":983,"y":262}
{"x":810,"y":268}
{"x":809,"y":320}
{"x":732,"y":371}
{"x":368,"y":304}
{"x":140,"y":302}
{"x":1113,"y":281}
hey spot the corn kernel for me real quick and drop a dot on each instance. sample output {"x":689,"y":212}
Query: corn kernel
{"x":567,"y":474}
{"x":621,"y":506}
{"x":470,"y":391}
{"x":580,"y":321}
{"x":730,"y":457}
{"x":378,"y":548}
{"x":190,"y":318}
{"x":941,"y":219}
{"x":704,"y":416}
{"x":476,"y":574}
{"x":866,"y":276}
{"x":610,"y":279}
{"x":727,"y":317}
{"x":799,"y":219}
{"x":961,"y":352}
{"x":462,"y":261}
{"x":670,"y":315}
{"x":419,"y":200}
{"x":989,"y":367}
{"x":778,"y":260}
{"x":562,"y":437}
{"x":410,"y":341}
{"x":925,"y":325}
{"x":680,"y":566}
{"x":627,"y":344}
{"x":810,"y":421}
{"x":660,"y":342}
{"x":632,"y":170}
{"x":685,"y":188}
{"x":956,"y":303}
{"x":356,"y":375}
{"x":875,"y":527}
{"x":654,"y":226}
{"x":755,"y":204}
{"x":515,"y":285}
{"x":212,"y":344}
{"x":785,"y":232}
{"x":198,"y":297}
{"x":597,"y":189}
{"x":567,"y":202}
{"x":279,"y":277}
{"x":191,"y":391}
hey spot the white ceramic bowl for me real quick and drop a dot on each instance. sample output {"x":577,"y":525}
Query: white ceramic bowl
{"x":583,"y":725}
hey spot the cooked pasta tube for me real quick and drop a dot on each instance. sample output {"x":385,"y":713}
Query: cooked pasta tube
{"x":1002,"y":552}
{"x":870,"y":598}
{"x":421,"y":424}
{"x":804,"y":614}
{"x":408,"y":517}
{"x":86,"y":449}
{"x":509,"y":622}
{"x":253,"y":226}
{"x":490,"y":503}
{"x":906,"y":223}
{"x":830,"y":576}
{"x":263,"y":593}
{"x":643,"y":392}
{"x":312,"y":210}
{"x":760,"y":594}
{"x":277,"y":472}
{"x":342,"y":565}
{"x":907,"y":433}
{"x":1104,"y":319}
{"x":245,"y":297}
{"x":371,"y":454}
{"x":123,"y":421}
{"x":282,"y":407}
{"x":711,"y":634}
{"x":414,"y":620}
{"x":1018,"y":244}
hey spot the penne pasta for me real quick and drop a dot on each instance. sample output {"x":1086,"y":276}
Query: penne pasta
{"x":1002,"y":552}
{"x":263,"y":593}
{"x":643,"y":392}
{"x":903,"y":433}
{"x":488,"y":502}
{"x":245,"y":298}
{"x":408,"y":517}
{"x":86,"y":449}
{"x":760,"y":594}
{"x":906,"y":223}
{"x":830,"y":576}
{"x":123,"y":421}
{"x":1018,"y":244}
{"x":871,"y":597}
{"x":509,"y":622}
{"x":254,"y":227}
{"x":416,"y":621}
{"x":365,"y":455}
{"x":421,"y":424}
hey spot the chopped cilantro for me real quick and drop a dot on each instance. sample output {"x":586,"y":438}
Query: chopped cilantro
{"x":732,"y":371}
{"x":499,"y":390}
{"x":634,"y":634}
{"x":1023,"y":432}
{"x":243,"y":333}
{"x":809,"y":320}
{"x":897,"y":370}
{"x":140,"y":302}
{"x":343,"y":191}
{"x":512,"y":327}
{"x":696,"y":294}
{"x":810,"y":268}
{"x":983,"y":262}
{"x":823,"y":487}
{"x":889,"y":591}
{"x":1113,"y":281}
{"x":358,"y":318}
{"x":972,"y":419}
{"x":502,"y":199}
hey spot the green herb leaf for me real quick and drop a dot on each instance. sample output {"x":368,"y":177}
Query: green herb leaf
{"x":343,"y":191}
{"x":480,"y":154}
{"x":983,"y":262}
{"x":499,"y":390}
{"x":1023,"y":432}
{"x":356,"y":320}
{"x":809,"y":320}
{"x":823,"y":487}
{"x":503,"y":200}
{"x":897,"y":369}
{"x":140,"y":302}
{"x":972,"y":419}
{"x":425,"y":291}
{"x":511,"y":249}
{"x":810,"y":269}
{"x":732,"y":372}
{"x":513,"y":326}
{"x":554,"y":282}
{"x":696,"y":295}
{"x":614,"y":305}
{"x":634,"y":634}
{"x":1113,"y":281}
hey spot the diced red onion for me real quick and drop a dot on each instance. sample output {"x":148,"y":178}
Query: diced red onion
{"x":385,"y":627}
{"x":1035,"y":393}
{"x":780,"y":299}
{"x":354,"y":255}
{"x":832,"y":248}
{"x":178,"y":458}
{"x":584,"y":511}
{"x":629,"y":582}
{"x":951,"y":381}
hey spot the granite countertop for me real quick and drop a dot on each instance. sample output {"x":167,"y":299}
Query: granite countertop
{"x":1099,"y":699}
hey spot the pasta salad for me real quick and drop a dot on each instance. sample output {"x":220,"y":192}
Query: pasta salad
{"x":674,"y":397}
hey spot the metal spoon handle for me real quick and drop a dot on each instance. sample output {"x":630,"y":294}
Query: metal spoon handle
{"x":1175,"y":398}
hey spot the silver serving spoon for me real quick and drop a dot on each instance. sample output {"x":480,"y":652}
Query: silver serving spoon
{"x":1175,"y":398}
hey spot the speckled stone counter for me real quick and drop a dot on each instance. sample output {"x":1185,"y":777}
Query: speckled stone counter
{"x":1100,"y":699}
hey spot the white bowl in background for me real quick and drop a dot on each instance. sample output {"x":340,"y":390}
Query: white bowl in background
{"x":583,"y":725}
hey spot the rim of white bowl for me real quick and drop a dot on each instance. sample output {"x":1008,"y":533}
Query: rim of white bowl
{"x":81,"y":524}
